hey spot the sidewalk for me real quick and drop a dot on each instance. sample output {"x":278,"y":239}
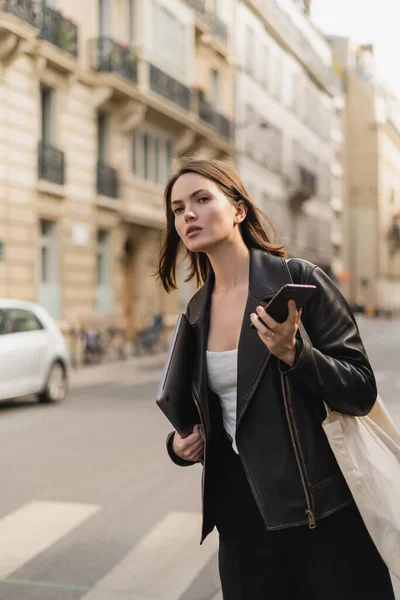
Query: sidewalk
{"x":134,"y":371}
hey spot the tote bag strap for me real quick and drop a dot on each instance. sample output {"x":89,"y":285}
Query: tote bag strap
{"x":302,"y":329}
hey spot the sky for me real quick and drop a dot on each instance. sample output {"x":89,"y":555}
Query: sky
{"x":366,"y":21}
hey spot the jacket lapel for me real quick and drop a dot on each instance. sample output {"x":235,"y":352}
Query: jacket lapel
{"x":200,"y":319}
{"x":267,"y":275}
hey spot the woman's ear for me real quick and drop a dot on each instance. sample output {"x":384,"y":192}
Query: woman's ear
{"x":241,"y":211}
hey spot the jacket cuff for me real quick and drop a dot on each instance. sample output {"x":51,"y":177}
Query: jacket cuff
{"x":174,"y":457}
{"x":300,"y":350}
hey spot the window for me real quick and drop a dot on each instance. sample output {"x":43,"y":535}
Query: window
{"x":47,"y":231}
{"x":152,"y":154}
{"x":266,"y":65}
{"x":131,"y":21}
{"x":215,"y":87}
{"x":102,"y":136}
{"x":48,"y":268}
{"x":102,"y":257}
{"x":169,"y":38}
{"x":104,"y":290}
{"x":104,"y":18}
{"x":17,"y":320}
{"x":250,"y":121}
{"x":47,"y":114}
{"x":249,"y":50}
{"x":278,"y":78}
{"x":168,"y":156}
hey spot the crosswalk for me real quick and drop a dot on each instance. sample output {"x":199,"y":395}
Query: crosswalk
{"x":161,"y":566}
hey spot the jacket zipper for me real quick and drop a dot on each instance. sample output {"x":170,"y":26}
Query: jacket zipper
{"x":291,"y":422}
{"x":197,"y":403}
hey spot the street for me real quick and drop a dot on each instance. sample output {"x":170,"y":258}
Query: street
{"x":92,"y":508}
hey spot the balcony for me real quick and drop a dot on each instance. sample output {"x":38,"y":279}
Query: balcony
{"x":51,"y":163}
{"x":58,"y":30}
{"x":305,"y":186}
{"x":169,"y":88}
{"x":298,"y":43}
{"x":108,"y":56}
{"x":107,"y":181}
{"x":219,"y":28}
{"x":23,"y":9}
{"x":199,"y":6}
{"x":209,"y":115}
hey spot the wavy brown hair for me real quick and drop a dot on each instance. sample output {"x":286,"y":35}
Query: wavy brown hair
{"x":252,"y":229}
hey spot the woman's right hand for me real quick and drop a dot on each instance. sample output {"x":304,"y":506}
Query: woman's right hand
{"x":191,"y":447}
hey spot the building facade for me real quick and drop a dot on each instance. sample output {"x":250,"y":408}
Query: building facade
{"x":285,"y":91}
{"x":372,"y":208}
{"x":97,"y":100}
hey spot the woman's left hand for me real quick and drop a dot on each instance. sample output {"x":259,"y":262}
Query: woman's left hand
{"x":280,"y":338}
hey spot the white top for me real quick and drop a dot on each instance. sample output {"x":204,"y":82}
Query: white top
{"x":222,"y":377}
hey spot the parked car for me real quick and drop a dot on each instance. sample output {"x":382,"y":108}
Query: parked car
{"x":33,"y":354}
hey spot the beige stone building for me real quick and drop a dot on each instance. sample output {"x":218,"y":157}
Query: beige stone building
{"x":287,"y":126}
{"x":371,"y":232}
{"x":97,"y":98}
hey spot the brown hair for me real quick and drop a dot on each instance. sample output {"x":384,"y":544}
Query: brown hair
{"x":252,"y":229}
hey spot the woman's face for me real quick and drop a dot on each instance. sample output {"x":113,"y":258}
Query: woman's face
{"x":204,"y":215}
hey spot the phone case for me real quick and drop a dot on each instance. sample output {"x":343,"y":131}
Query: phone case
{"x":277,"y":307}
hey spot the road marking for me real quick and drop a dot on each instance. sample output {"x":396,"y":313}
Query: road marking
{"x":163,"y":565}
{"x":31,"y":529}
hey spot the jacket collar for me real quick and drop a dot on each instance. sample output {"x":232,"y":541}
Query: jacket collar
{"x":267,"y":274}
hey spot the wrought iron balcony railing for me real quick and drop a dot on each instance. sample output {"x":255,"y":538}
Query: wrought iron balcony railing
{"x":209,"y":115}
{"x":51,"y":163}
{"x":199,"y":6}
{"x":169,"y":88}
{"x":108,"y":56}
{"x":57,"y":29}
{"x":219,"y":28}
{"x":298,"y":41}
{"x":23,"y":9}
{"x":107,"y":180}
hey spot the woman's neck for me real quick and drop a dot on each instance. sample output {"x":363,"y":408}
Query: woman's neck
{"x":231,"y":267}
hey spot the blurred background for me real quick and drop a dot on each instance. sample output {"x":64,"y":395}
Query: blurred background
{"x":99,"y":99}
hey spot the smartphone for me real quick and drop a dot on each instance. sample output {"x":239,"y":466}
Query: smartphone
{"x":277,"y":307}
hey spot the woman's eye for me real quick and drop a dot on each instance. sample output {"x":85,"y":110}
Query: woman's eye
{"x":177,"y":210}
{"x":203,"y":198}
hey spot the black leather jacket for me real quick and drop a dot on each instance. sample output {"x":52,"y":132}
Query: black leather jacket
{"x":290,"y":467}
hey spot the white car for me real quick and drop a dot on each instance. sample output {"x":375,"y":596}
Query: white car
{"x":33,"y":354}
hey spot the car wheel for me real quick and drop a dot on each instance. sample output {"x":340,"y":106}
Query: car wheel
{"x":56,"y":384}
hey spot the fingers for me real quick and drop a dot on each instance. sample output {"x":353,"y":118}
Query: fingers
{"x":189,"y":448}
{"x":264,"y":320}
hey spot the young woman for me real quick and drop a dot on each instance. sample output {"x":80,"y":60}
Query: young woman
{"x":287,"y":523}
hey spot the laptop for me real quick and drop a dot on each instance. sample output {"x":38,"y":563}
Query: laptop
{"x":174,"y":395}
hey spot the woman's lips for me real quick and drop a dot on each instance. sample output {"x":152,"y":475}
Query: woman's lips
{"x":194,"y":232}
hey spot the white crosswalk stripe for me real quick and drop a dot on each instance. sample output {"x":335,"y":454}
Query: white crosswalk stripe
{"x":162,"y":565}
{"x":36,"y":526}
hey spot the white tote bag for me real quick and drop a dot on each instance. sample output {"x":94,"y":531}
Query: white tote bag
{"x":367,"y":450}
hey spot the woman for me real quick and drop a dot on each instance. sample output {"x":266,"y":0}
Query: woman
{"x":287,"y":523}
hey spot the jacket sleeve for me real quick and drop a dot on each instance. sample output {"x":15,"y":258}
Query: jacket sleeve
{"x":332,"y":361}
{"x":174,"y":457}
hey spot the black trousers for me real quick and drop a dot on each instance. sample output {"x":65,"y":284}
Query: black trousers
{"x":335,"y":561}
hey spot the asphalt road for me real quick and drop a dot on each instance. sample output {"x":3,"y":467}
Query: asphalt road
{"x":90,"y":506}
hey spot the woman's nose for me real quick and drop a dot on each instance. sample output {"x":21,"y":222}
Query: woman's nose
{"x":189,"y":214}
